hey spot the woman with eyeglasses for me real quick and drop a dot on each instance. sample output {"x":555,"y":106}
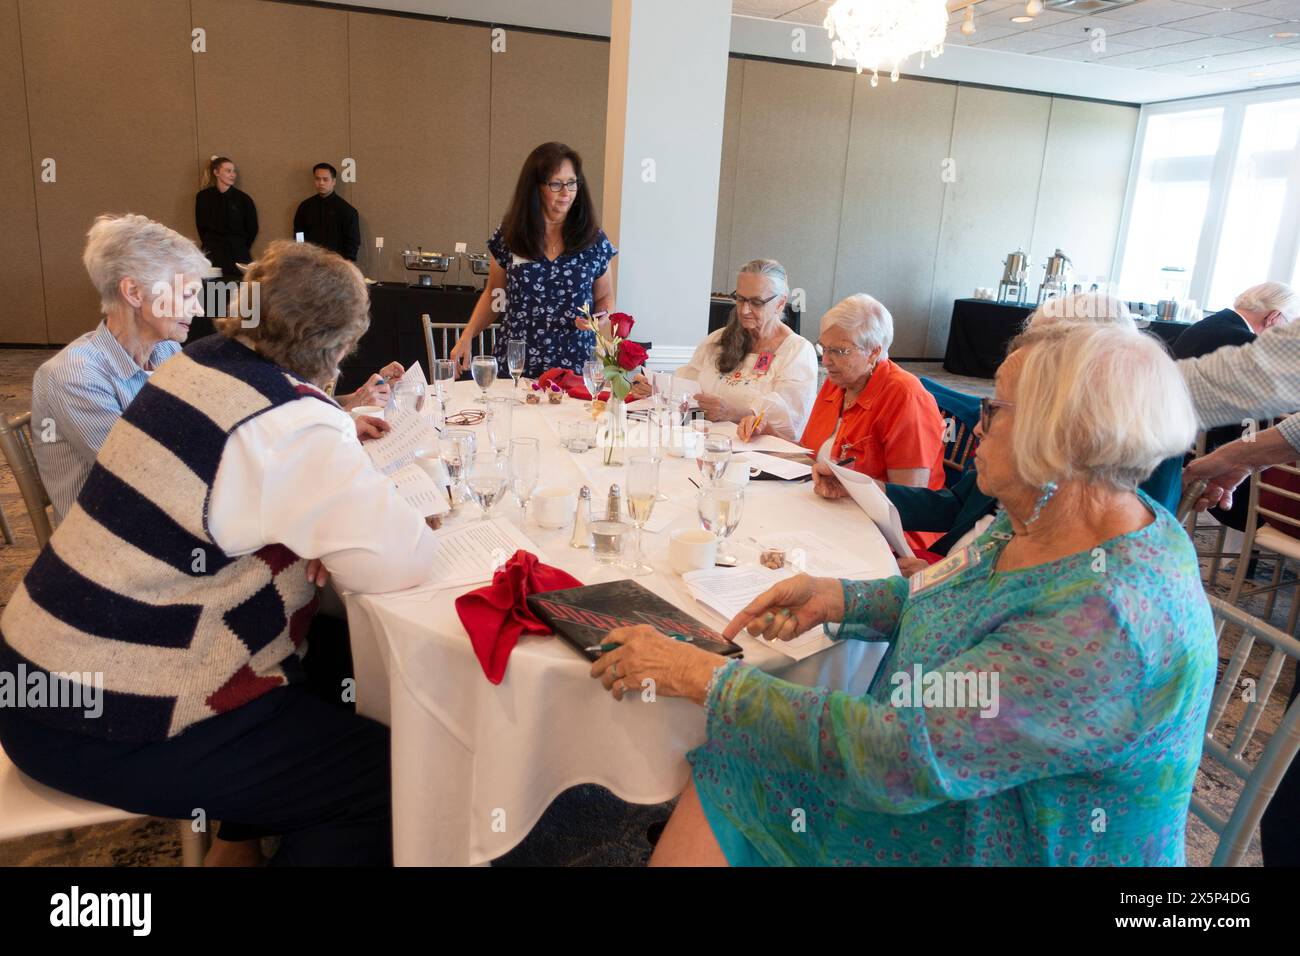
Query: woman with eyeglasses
{"x":549,"y":259}
{"x":754,"y":370}
{"x":870,"y":410}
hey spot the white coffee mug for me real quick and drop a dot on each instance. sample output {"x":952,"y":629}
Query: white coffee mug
{"x":692,"y":549}
{"x":374,"y":411}
{"x":737,"y":471}
{"x":553,"y":506}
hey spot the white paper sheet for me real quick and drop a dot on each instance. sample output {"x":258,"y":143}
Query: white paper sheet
{"x":396,"y":448}
{"x":727,"y":591}
{"x":758,"y":442}
{"x":807,"y":552}
{"x":420,"y":491}
{"x":470,"y":554}
{"x":877,"y":506}
{"x":781,"y":467}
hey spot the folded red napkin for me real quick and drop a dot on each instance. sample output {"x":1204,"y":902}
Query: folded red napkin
{"x":568,"y":380}
{"x":495,"y":615}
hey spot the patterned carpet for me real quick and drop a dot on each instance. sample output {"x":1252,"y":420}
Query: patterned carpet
{"x":585,"y":826}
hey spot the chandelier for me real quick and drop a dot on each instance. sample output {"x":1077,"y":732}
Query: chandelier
{"x":878,"y":34}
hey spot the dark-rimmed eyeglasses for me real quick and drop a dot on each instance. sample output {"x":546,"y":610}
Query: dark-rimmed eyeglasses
{"x":565,"y":185}
{"x":752,"y":301}
{"x":987,"y":407}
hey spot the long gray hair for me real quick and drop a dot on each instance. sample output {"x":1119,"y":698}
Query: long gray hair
{"x":735,"y":343}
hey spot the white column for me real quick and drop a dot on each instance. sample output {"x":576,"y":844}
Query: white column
{"x":663,"y":153}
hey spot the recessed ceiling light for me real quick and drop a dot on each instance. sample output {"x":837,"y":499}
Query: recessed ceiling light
{"x":1284,"y":35}
{"x":1022,"y":19}
{"x":1258,"y":73}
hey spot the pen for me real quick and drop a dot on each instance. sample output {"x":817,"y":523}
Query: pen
{"x":606,"y":648}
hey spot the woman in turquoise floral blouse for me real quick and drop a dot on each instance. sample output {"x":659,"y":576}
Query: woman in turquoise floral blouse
{"x":1062,"y":664}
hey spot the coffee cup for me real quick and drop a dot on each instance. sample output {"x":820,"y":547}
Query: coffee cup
{"x":374,"y":411}
{"x":737,"y":471}
{"x":553,"y":506}
{"x":692,"y":549}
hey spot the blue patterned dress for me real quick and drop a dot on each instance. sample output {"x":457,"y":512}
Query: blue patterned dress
{"x":1105,"y":661}
{"x":544,"y":297}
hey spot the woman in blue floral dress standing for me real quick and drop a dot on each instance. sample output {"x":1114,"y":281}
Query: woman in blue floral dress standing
{"x":549,"y":258}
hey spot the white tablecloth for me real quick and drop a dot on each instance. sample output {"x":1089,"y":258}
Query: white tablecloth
{"x":475,"y":765}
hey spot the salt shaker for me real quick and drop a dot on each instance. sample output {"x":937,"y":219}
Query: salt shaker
{"x":582,"y":521}
{"x":614,"y":506}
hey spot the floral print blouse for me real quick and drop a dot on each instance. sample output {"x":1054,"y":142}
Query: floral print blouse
{"x":1105,"y":661}
{"x":543,"y":298}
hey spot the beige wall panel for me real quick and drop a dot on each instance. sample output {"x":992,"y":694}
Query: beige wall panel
{"x":724,"y":270}
{"x":1085,"y":172}
{"x":893,"y":201}
{"x":23,"y":319}
{"x":546,"y":88}
{"x":794,"y":132}
{"x":273,"y":96}
{"x":110,"y":88}
{"x":998,"y":139}
{"x":420,"y":101}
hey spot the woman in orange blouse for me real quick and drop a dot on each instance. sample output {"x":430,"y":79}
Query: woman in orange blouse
{"x":871,"y":410}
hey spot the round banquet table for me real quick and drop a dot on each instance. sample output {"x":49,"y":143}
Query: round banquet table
{"x":475,"y":765}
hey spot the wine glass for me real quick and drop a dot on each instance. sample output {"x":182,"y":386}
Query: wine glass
{"x":500,"y":418}
{"x":593,"y":376}
{"x":655,"y":419}
{"x":487,"y":481}
{"x":642,"y":489}
{"x":516,"y":352}
{"x":408,"y":395}
{"x":720,"y":506}
{"x":717,"y":453}
{"x":444,"y":374}
{"x":525,"y":469}
{"x":484,"y":370}
{"x":456,"y":449}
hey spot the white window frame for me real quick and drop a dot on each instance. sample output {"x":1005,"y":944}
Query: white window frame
{"x":1287,"y":244}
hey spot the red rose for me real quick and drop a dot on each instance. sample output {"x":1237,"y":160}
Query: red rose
{"x":621,"y":324}
{"x":630,"y":355}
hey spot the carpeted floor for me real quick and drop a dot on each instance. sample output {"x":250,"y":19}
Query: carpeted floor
{"x":585,"y":826}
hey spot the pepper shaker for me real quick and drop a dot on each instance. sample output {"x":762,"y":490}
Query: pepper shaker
{"x":582,"y":521}
{"x":614,"y":505}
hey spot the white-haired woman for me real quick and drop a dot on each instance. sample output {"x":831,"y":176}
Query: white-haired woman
{"x":870,"y":410}
{"x":149,"y":279}
{"x":755,"y":365}
{"x":1052,"y":677}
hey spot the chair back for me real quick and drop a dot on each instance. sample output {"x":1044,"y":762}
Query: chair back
{"x":440,"y":338}
{"x":1259,"y":780}
{"x":961,"y":413}
{"x":16,"y":445}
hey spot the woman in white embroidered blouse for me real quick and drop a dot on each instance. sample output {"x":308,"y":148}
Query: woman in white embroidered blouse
{"x":755,"y":369}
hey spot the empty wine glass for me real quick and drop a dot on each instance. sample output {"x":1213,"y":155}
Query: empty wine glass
{"x":487,"y":481}
{"x":720,"y":506}
{"x":525,"y":469}
{"x":593,"y":376}
{"x":516,"y":353}
{"x":456,"y":449}
{"x":484,"y":370}
{"x":500,"y":418}
{"x":717,"y":453}
{"x":655,"y":419}
{"x":444,"y":374}
{"x":642,"y":489}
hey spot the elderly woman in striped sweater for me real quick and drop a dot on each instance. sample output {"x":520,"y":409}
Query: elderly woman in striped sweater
{"x":178,"y":584}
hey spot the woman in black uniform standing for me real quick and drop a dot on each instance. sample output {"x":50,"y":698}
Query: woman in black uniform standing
{"x":226,"y":218}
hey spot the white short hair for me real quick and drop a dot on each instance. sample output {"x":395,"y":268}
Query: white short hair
{"x":136,"y":247}
{"x":1269,"y":296}
{"x":1094,"y":307}
{"x":865,"y":319}
{"x":1097,"y":403}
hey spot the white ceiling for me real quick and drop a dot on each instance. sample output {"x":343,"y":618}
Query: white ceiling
{"x":1227,"y":44}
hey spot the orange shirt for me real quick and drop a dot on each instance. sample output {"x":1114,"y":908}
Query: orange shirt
{"x":894,"y":423}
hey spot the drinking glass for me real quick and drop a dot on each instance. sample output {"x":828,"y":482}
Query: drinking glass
{"x":408,"y":395}
{"x":658,"y":415}
{"x":487,"y":481}
{"x":516,"y":353}
{"x":525,"y":469}
{"x":593,"y":376}
{"x":717,"y":453}
{"x":500,"y":417}
{"x":484,"y":370}
{"x":720,"y":506}
{"x":642,"y":483}
{"x":444,"y":374}
{"x":456,"y":448}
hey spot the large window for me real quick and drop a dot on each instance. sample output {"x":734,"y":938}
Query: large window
{"x":1214,"y":205}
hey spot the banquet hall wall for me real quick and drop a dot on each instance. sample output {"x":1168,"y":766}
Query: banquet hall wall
{"x":842,"y":182}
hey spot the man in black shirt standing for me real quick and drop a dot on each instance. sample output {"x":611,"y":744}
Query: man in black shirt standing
{"x":327,"y":219}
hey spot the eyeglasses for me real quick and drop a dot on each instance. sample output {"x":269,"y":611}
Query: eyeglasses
{"x":753,"y":302}
{"x":568,"y":185}
{"x":823,"y":351}
{"x":987,"y":407}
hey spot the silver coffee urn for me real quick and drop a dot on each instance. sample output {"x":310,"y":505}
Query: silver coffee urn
{"x":1056,"y":276}
{"x":1015,"y":269}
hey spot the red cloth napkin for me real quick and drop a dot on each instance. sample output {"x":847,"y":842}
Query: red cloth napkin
{"x":496,"y":615}
{"x":568,"y":380}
